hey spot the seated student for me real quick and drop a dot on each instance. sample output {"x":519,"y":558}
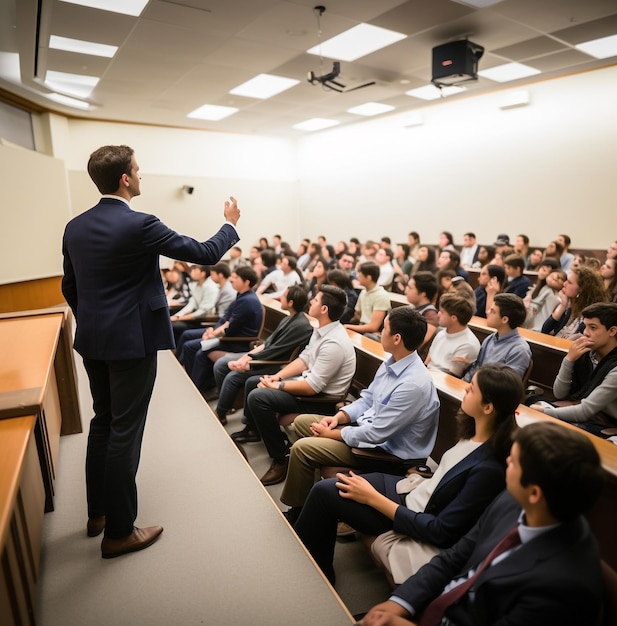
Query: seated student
{"x":403,"y":262}
{"x":317,"y":277}
{"x":421,"y":292}
{"x":546,"y":573}
{"x":437,"y":512}
{"x":506,"y":345}
{"x":236,"y":259}
{"x":177,"y":290}
{"x":486,"y":254}
{"x":516,"y":283}
{"x":383,"y":258}
{"x":204,"y":293}
{"x":233,"y":370}
{"x":469,"y":251}
{"x":542,"y":299}
{"x":566,"y":256}
{"x":398,"y":413}
{"x":425,"y":261}
{"x":450,"y":260}
{"x":227,"y":294}
{"x":341,"y":279}
{"x":275,"y":283}
{"x":462,"y":288}
{"x":588,"y":373}
{"x":521,"y":247}
{"x":491,"y":278}
{"x":553,"y":250}
{"x":608,"y":273}
{"x":456,"y":339}
{"x":326,"y":366}
{"x":242,"y":319}
{"x":535,"y":258}
{"x":582,"y":287}
{"x":373,"y":303}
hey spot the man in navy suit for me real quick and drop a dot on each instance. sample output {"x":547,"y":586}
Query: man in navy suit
{"x":112,"y":282}
{"x":550,"y":572}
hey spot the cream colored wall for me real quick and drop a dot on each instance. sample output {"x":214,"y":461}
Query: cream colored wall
{"x":541,"y":169}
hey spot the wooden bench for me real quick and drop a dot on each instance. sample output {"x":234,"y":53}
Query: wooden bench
{"x":22,"y":503}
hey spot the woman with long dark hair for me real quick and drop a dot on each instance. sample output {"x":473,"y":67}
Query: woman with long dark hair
{"x":435,"y":513}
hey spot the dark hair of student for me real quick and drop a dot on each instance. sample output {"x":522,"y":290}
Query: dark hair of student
{"x":409,"y":324}
{"x":293,"y":264}
{"x":606,"y":312}
{"x":247,"y":273}
{"x":490,"y":253}
{"x":107,"y":165}
{"x":335,"y":299}
{"x":339,"y":278}
{"x":370,"y":269}
{"x":515,"y":260}
{"x":497,"y":271}
{"x":512,"y":307}
{"x":429,"y":265}
{"x":268,"y":256}
{"x":222,"y":268}
{"x":299,"y":296}
{"x":564,"y":464}
{"x":455,"y":304}
{"x":503,"y":388}
{"x":448,"y":236}
{"x":426,"y":283}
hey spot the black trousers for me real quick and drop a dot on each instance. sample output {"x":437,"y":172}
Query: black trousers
{"x":121,"y":392}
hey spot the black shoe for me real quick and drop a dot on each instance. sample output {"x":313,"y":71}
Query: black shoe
{"x":292,"y":514}
{"x":246,"y":435}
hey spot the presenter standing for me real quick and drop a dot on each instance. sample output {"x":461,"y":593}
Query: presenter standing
{"x":112,"y":283}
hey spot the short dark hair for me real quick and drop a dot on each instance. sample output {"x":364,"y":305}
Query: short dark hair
{"x":455,"y":258}
{"x":552,"y":263}
{"x":426,"y":283}
{"x":335,"y":299}
{"x":268,"y":256}
{"x":247,"y":273}
{"x":448,"y":236}
{"x":524,"y":238}
{"x":606,"y":312}
{"x":202,"y":268}
{"x":415,"y":235}
{"x":566,"y":239}
{"x":512,"y":307}
{"x":339,"y":278}
{"x":107,"y":165}
{"x":453,"y":304}
{"x":470,"y":234}
{"x":386,"y":239}
{"x":299,"y":296}
{"x":222,"y":268}
{"x":515,"y":260}
{"x":409,"y":324}
{"x":370,"y":269}
{"x":563,"y":463}
{"x":496,"y":271}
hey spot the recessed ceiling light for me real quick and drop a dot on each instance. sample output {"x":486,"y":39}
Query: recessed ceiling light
{"x":602,"y":48}
{"x":430,"y":92}
{"x":316,"y":123}
{"x":71,"y":102}
{"x":509,"y":71}
{"x":82,"y":47}
{"x":212,"y":112}
{"x":264,"y":86}
{"x":356,"y":42}
{"x":75,"y":84}
{"x":370,"y":108}
{"x":127,"y":7}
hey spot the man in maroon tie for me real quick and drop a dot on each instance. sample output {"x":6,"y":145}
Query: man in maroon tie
{"x":531,"y":558}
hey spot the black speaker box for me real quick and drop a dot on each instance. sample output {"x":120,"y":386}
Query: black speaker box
{"x":456,"y":62}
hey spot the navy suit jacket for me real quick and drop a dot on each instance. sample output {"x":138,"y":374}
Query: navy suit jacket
{"x":553,"y":579}
{"x":112,"y":280}
{"x":458,"y":501}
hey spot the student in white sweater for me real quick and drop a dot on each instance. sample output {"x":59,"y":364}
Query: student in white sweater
{"x":455,"y":345}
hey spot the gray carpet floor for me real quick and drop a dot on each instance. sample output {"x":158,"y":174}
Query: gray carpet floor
{"x":185,"y":483}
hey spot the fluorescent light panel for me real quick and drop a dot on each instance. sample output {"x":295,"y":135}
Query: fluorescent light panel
{"x":71,"y":102}
{"x":509,"y":71}
{"x":212,"y":112}
{"x":602,"y":48}
{"x":479,"y":4}
{"x":82,"y":47}
{"x":316,"y":123}
{"x":264,"y":86}
{"x":370,"y":108}
{"x":356,"y":42}
{"x":430,"y":92}
{"x":126,"y":7}
{"x":75,"y":84}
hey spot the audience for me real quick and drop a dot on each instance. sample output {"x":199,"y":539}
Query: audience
{"x":425,"y":515}
{"x":469,"y":252}
{"x":521,"y":247}
{"x":340,"y":279}
{"x":421,"y":293}
{"x":535,"y":258}
{"x":552,"y":577}
{"x":486,"y":254}
{"x":543,"y":298}
{"x":446,"y":241}
{"x":275,"y":283}
{"x":425,"y":261}
{"x":455,"y":339}
{"x":383,"y":258}
{"x":450,"y":260}
{"x":236,"y":259}
{"x":373,"y":303}
{"x":516,"y":283}
{"x":566,"y":256}
{"x":398,"y":413}
{"x":492,"y":277}
{"x":317,"y":277}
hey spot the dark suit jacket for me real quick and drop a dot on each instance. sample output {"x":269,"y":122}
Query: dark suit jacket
{"x":552,"y":579}
{"x":112,"y":280}
{"x":458,"y":501}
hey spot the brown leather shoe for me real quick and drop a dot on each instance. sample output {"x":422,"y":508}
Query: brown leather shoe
{"x":277,"y":472}
{"x":95,"y":526}
{"x":139,"y":539}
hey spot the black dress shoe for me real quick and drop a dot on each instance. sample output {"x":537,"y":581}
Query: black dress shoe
{"x":222,"y":418}
{"x":139,"y":539}
{"x":246,"y":435}
{"x":292,"y":514}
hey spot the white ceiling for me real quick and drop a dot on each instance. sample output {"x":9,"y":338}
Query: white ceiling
{"x":181,"y":54}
